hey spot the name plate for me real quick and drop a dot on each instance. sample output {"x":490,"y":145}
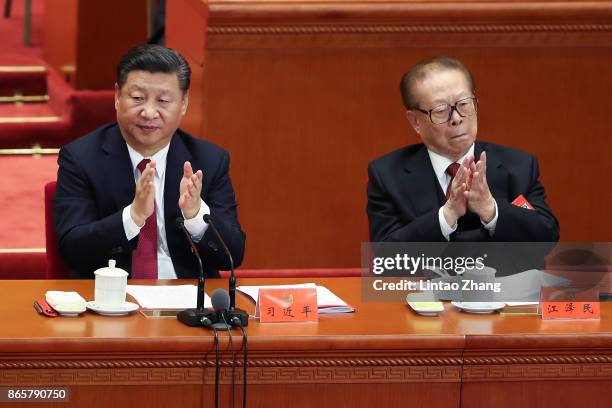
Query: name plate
{"x":287,"y":305}
{"x":567,"y":304}
{"x":570,"y":310}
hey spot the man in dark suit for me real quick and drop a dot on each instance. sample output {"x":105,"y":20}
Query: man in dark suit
{"x":121,"y":188}
{"x":451,"y":188}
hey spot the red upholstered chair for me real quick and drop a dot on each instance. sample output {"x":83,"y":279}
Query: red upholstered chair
{"x":56,"y":269}
{"x":22,"y":264}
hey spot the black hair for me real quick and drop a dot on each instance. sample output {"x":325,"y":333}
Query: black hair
{"x":154,"y":58}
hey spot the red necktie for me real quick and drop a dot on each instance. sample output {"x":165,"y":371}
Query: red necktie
{"x":451,"y":170}
{"x":144,"y":257}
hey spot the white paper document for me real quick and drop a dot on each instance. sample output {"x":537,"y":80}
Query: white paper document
{"x":167,"y":297}
{"x":327,"y":301}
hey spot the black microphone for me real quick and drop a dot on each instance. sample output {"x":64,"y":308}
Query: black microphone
{"x":220,"y":301}
{"x":197,"y":316}
{"x":232,"y":311}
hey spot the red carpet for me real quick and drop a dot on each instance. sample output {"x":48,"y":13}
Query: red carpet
{"x":14,"y":54}
{"x":68,"y":114}
{"x":11,"y":33}
{"x":22,"y":182}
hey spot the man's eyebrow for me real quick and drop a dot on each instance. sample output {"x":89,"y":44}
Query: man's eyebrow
{"x":162,"y":91}
{"x":458,"y":97}
{"x":135,"y":87}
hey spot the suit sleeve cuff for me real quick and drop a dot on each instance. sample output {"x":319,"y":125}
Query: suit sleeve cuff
{"x":446,"y":229}
{"x":129,"y":226}
{"x":196,"y":225}
{"x":490,"y":226}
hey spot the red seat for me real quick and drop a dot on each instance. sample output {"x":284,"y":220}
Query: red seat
{"x":22,"y":264}
{"x":56,"y":269}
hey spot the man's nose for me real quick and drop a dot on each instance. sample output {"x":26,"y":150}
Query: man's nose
{"x":455,"y":118}
{"x":149,"y":111}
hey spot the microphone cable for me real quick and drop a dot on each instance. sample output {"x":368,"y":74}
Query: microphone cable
{"x":245,"y":363}
{"x":217,"y":366}
{"x":233,"y":350}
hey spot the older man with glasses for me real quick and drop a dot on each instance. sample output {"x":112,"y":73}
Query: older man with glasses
{"x":450,"y":187}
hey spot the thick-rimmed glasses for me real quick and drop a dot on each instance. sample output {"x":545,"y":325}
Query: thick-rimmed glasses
{"x":442,"y":113}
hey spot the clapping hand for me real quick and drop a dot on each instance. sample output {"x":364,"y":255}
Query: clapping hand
{"x":190,"y":190}
{"x":470,"y":191}
{"x":144,"y":198}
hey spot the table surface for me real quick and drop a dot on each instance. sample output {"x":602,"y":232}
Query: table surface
{"x":374,"y":325}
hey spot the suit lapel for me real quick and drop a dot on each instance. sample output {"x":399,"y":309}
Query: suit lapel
{"x":117,"y":168}
{"x":418,"y":181}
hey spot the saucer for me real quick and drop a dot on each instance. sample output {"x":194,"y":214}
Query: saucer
{"x":126,"y":308}
{"x":424,"y":303}
{"x":69,"y":312}
{"x":427,"y":308}
{"x":479,"y":307}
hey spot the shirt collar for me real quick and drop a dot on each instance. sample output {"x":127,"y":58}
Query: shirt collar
{"x":159,"y":158}
{"x":441,"y":163}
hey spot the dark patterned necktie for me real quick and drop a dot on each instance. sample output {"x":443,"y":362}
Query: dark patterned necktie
{"x":451,"y":170}
{"x":144,"y":257}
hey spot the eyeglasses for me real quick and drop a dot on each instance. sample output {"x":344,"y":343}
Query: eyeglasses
{"x":442,"y":113}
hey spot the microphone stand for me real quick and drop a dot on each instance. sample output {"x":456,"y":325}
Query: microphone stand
{"x":194,"y":317}
{"x":232,"y":311}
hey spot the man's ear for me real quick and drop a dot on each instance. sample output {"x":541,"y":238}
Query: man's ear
{"x":185,"y":102}
{"x":414,"y":121}
{"x":117,"y":92}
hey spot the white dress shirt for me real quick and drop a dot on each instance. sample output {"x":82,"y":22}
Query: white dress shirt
{"x":195,"y":226}
{"x":440,"y":164}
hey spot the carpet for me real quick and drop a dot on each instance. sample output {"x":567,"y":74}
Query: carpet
{"x":22,"y":214}
{"x":67,"y":115}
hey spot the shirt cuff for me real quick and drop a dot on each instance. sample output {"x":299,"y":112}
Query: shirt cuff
{"x":196,"y":225}
{"x":444,"y":227}
{"x":493,"y":223}
{"x":129,"y":226}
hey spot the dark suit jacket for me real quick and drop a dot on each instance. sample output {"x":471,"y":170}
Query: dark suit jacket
{"x":404,"y":197}
{"x":95,"y":182}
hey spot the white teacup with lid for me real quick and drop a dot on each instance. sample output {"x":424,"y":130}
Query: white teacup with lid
{"x":111,"y":285}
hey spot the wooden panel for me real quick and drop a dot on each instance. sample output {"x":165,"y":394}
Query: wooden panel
{"x":85,"y":39}
{"x":186,"y":31}
{"x":59,"y":35}
{"x":107,"y":29}
{"x":305,"y":94}
{"x":135,"y":396}
{"x":573,"y":393}
{"x":343,"y":395}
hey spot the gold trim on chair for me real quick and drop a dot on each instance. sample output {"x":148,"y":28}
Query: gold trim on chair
{"x":18,"y":98}
{"x":34,"y":150}
{"x":22,"y":68}
{"x":33,"y":119}
{"x":22,"y":250}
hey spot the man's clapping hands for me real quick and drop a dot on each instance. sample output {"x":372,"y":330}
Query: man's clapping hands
{"x":470,"y":191}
